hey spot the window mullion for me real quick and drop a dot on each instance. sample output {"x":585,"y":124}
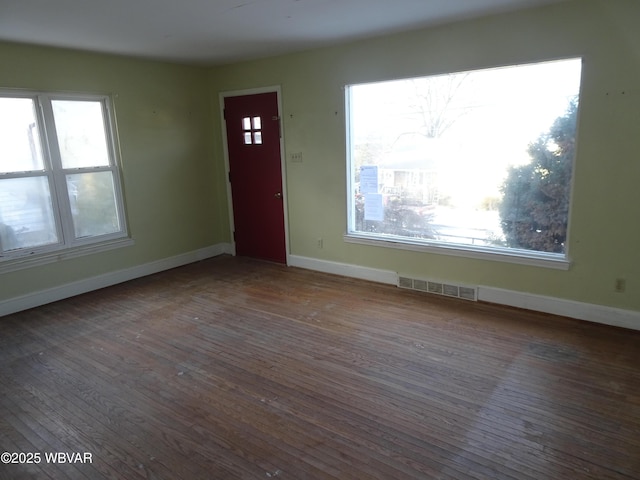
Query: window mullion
{"x":58,"y":176}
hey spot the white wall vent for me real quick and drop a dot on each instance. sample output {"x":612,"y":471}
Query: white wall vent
{"x":439,"y":288}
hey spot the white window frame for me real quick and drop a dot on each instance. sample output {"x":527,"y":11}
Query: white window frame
{"x":502,"y":254}
{"x":68,"y":246}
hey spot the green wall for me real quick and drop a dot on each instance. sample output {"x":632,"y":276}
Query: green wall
{"x":604,"y":230}
{"x":164,"y":124}
{"x":172,"y":154}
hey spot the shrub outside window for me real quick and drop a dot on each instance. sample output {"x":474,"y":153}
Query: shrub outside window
{"x":477,"y":161}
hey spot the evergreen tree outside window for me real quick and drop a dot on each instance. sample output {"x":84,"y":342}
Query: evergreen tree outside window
{"x":534,"y":212}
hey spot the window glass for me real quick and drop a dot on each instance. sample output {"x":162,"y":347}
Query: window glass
{"x":477,"y":160}
{"x":81,"y":133}
{"x":253,"y":130}
{"x":20,"y":148}
{"x":26,"y":213}
{"x":93,"y":204}
{"x":59,"y":176}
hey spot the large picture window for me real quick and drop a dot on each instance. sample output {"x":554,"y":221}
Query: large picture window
{"x":478,"y":161}
{"x":59,"y":179}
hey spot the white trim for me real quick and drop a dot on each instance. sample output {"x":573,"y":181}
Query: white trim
{"x":582,"y":311}
{"x":345,"y":269}
{"x":54,"y":172}
{"x":29,"y":260}
{"x":612,"y":316}
{"x":508,"y":255}
{"x":227,"y":168}
{"x":283,"y":172}
{"x":54,"y":294}
{"x":590,"y":312}
{"x":534,"y":259}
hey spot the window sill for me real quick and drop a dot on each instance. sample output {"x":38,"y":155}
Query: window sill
{"x":521,"y":257}
{"x":37,"y":259}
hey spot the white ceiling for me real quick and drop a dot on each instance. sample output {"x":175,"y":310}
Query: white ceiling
{"x":222,"y":31}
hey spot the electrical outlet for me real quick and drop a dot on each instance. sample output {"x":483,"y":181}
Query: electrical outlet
{"x":320,"y":243}
{"x":296,"y":157}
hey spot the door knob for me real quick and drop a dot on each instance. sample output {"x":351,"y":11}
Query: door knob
{"x":278,"y":196}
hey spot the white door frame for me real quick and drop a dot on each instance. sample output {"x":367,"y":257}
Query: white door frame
{"x":239,"y":93}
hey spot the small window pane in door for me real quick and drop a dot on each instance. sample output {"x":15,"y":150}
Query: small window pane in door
{"x":246,"y":123}
{"x":247,"y":138}
{"x":257,"y":137}
{"x":257,"y":124}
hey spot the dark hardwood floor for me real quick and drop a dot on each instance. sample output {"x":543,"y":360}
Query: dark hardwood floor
{"x":237,"y":369}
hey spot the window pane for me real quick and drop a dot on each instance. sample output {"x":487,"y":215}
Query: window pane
{"x":20,"y":149}
{"x":26,"y":213}
{"x":81,"y":133}
{"x":246,"y":123}
{"x":93,"y":204}
{"x":478,"y":159}
{"x":257,"y":124}
{"x":247,"y":138}
{"x":257,"y":136}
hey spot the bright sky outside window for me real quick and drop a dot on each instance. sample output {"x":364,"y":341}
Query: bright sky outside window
{"x":478,"y":160}
{"x":59,"y":179}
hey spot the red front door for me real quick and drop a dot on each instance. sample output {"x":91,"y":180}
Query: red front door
{"x":255,"y":172}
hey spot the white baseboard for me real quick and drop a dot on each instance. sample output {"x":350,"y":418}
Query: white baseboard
{"x":616,"y":317}
{"x":54,"y":294}
{"x":344,"y":269}
{"x":557,"y":306}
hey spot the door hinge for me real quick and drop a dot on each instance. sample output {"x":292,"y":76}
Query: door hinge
{"x":224,"y":113}
{"x":229,"y":176}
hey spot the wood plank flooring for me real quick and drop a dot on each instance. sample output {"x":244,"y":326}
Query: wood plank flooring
{"x":237,"y":369}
